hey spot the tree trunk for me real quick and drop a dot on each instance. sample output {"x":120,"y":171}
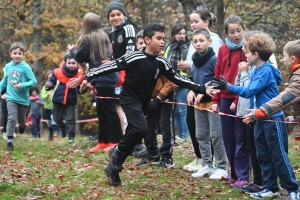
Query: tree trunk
{"x":220,"y":18}
{"x":36,"y":40}
{"x":188,"y":7}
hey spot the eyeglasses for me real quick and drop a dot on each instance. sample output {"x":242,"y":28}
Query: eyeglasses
{"x":181,"y":34}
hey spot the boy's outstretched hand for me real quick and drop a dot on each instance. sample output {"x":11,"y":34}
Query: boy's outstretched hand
{"x":210,"y":89}
{"x":74,"y":82}
{"x":83,"y":86}
{"x":248,"y":118}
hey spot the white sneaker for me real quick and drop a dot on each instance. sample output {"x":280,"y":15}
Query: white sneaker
{"x":193,"y":163}
{"x":4,"y":135}
{"x":196,"y":167}
{"x":218,"y":174}
{"x":266,"y":193}
{"x":203,"y":171}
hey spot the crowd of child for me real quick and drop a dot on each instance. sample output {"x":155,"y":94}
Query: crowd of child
{"x":244,"y":83}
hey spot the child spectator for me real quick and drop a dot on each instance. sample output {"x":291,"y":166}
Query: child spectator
{"x":201,"y":18}
{"x":208,"y":124}
{"x":36,"y":104}
{"x":18,"y":78}
{"x":93,"y":46}
{"x":65,"y":98}
{"x":159,"y":112}
{"x":243,"y":79}
{"x":271,"y":138}
{"x":123,"y":40}
{"x":137,"y":91}
{"x":48,"y":105}
{"x":139,"y":151}
{"x":234,"y":131}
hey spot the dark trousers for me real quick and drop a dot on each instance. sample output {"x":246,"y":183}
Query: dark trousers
{"x":59,"y":111}
{"x":109,"y":125}
{"x":234,"y":133}
{"x":257,"y":178}
{"x":48,"y":118}
{"x":35,"y":126}
{"x":137,"y":127}
{"x":4,"y":114}
{"x":163,"y":112}
{"x":271,"y":141}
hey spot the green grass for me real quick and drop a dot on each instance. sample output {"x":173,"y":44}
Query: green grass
{"x":38,"y":169}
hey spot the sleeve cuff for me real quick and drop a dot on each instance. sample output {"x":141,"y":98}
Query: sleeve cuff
{"x":162,"y":97}
{"x":202,"y":89}
{"x":259,"y":113}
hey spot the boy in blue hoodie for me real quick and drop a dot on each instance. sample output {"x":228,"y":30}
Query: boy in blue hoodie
{"x":19,"y":77}
{"x":271,"y":138}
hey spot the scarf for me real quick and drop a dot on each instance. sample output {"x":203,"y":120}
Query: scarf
{"x":199,"y":59}
{"x":69,"y":72}
{"x":233,"y":46}
{"x":34,"y":98}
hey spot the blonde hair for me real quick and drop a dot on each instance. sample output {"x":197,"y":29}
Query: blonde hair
{"x":91,"y":29}
{"x":292,"y":48}
{"x":17,"y":45}
{"x":261,"y":43}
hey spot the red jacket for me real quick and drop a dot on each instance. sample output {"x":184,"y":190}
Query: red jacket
{"x":227,"y":66}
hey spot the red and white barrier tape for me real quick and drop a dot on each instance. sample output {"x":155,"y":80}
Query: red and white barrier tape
{"x":200,"y":108}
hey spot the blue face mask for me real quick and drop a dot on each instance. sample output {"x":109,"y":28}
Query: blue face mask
{"x":233,"y":46}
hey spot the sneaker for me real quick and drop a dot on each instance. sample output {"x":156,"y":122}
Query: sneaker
{"x":71,"y":140}
{"x":266,"y":193}
{"x":206,"y":170}
{"x":218,"y":174}
{"x":116,"y":159}
{"x":229,"y":179}
{"x":293,"y":195}
{"x":94,"y":138}
{"x":149,"y":160}
{"x":21,"y":129}
{"x":252,"y":188}
{"x":196,"y":167}
{"x":99,"y":146}
{"x":166,"y":162}
{"x":111,"y":145}
{"x":239,"y":184}
{"x":4,"y":135}
{"x":193,"y":163}
{"x":114,"y":178}
{"x":63,"y":132}
{"x":140,"y":154}
{"x":10,"y":146}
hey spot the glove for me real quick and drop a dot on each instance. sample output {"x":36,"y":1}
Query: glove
{"x":181,"y":42}
{"x":154,"y":104}
{"x":224,"y":85}
{"x":216,"y":83}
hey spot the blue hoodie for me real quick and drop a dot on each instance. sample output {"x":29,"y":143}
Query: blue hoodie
{"x":263,"y":86}
{"x":20,"y":73}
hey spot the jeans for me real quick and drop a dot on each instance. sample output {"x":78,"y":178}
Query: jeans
{"x":180,"y":113}
{"x":35,"y":126}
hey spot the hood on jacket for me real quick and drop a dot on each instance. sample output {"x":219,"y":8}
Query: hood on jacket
{"x":276,"y":73}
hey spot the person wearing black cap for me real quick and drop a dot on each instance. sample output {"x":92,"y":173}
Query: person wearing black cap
{"x":123,"y":39}
{"x":123,"y":35}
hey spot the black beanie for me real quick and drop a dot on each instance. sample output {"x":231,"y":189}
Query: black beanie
{"x":115,"y":5}
{"x":66,"y":56}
